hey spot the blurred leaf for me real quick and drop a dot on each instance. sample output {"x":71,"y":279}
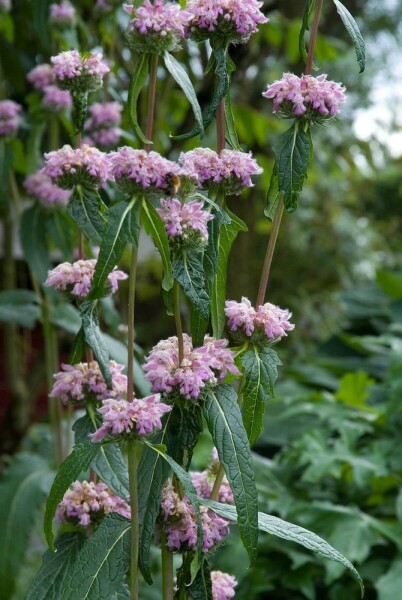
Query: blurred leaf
{"x":389,"y":585}
{"x":19,"y":306}
{"x":354,"y":32}
{"x":60,"y":231}
{"x":40,"y":21}
{"x":353,"y":390}
{"x":390,"y":283}
{"x":33,"y":241}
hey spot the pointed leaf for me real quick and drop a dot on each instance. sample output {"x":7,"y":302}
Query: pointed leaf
{"x":180,"y":76}
{"x":292,"y":152}
{"x":33,"y":241}
{"x":189,"y":272}
{"x":230,"y":127}
{"x":354,"y":32}
{"x":155,"y":228}
{"x":310,"y":6}
{"x":102,"y":562}
{"x":227,"y":235}
{"x":117,"y":234}
{"x":49,"y":581}
{"x":79,"y":460}
{"x":273,"y":195}
{"x":89,"y":212}
{"x":94,"y":339}
{"x":224,"y":421}
{"x":22,"y":491}
{"x":293,"y":533}
{"x":138,"y":81}
{"x":201,"y":587}
{"x":260,"y":371}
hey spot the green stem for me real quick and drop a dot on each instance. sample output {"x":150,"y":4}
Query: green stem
{"x":269,"y":255}
{"x":130,"y":324}
{"x":153,"y":69}
{"x":177,"y":318}
{"x":133,"y":485}
{"x":220,"y":126}
{"x":167,"y":570}
{"x":313,"y":37}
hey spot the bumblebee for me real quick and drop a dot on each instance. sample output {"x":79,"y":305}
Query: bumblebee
{"x":174,"y":184}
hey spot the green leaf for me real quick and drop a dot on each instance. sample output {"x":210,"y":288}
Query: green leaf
{"x":293,"y":533}
{"x":33,"y":241}
{"x":227,"y":235}
{"x":138,"y":81}
{"x":224,"y":421}
{"x":19,"y":306}
{"x":49,"y":581}
{"x":230,"y":127}
{"x":78,"y":348}
{"x":89,"y":212}
{"x":118,"y":233}
{"x":310,"y":6}
{"x":155,"y":228}
{"x":353,"y":390}
{"x":23,"y":489}
{"x":94,"y":338}
{"x":180,"y":76}
{"x":292,"y":152}
{"x":79,"y":460}
{"x":389,"y":585}
{"x":201,"y":587}
{"x":40,"y":22}
{"x":189,"y":272}
{"x":273,"y":195}
{"x":390,"y":283}
{"x":260,"y":371}
{"x":354,"y":32}
{"x":61,"y":231}
{"x":102,"y":563}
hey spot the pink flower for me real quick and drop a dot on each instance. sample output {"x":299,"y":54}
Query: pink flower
{"x":235,"y":19}
{"x":274,"y":321}
{"x":41,"y":76}
{"x":84,"y":381}
{"x":79,"y":73}
{"x":140,"y":171}
{"x":56,"y":100}
{"x":102,"y":124}
{"x":204,"y":482}
{"x":88,"y":502}
{"x":241,"y":315}
{"x":200,"y":367}
{"x":270,"y":319}
{"x":223,"y":585}
{"x":177,"y":519}
{"x":40,"y":187}
{"x":185,"y":222}
{"x":156,"y":27}
{"x":120,"y":417}
{"x":315,"y":99}
{"x":76,"y":278}
{"x":230,"y":171}
{"x":9,"y":118}
{"x":62,"y":15}
{"x":86,"y":166}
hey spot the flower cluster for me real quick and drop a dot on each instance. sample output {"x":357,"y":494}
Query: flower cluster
{"x":313,"y":98}
{"x":177,"y":519}
{"x":41,"y":187}
{"x":204,"y":482}
{"x":200,"y":367}
{"x":41,"y":76}
{"x":88,"y":502}
{"x":84,"y":381}
{"x":156,"y":27}
{"x":62,"y":15}
{"x":236,"y":20}
{"x":79,"y":73}
{"x":141,"y":416}
{"x":103,"y":124}
{"x":140,"y":171}
{"x":85,"y":166}
{"x":223,"y":585}
{"x":76,"y":278}
{"x":9,"y":118}
{"x":185,"y":224}
{"x":229,"y":172}
{"x":267,"y":321}
{"x":56,"y":100}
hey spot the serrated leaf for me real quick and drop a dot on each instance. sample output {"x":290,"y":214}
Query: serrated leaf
{"x":354,"y":32}
{"x":292,"y":152}
{"x":138,"y":81}
{"x":224,"y":421}
{"x":293,"y":533}
{"x":180,"y":76}
{"x":227,"y":235}
{"x":33,"y":242}
{"x":260,"y":371}
{"x":89,"y":213}
{"x":94,"y":339}
{"x":310,"y":6}
{"x":118,"y":233}
{"x":22,"y":491}
{"x":78,"y":461}
{"x":188,"y":271}
{"x":155,"y":228}
{"x":49,"y":581}
{"x":102,"y":562}
{"x":19,"y":306}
